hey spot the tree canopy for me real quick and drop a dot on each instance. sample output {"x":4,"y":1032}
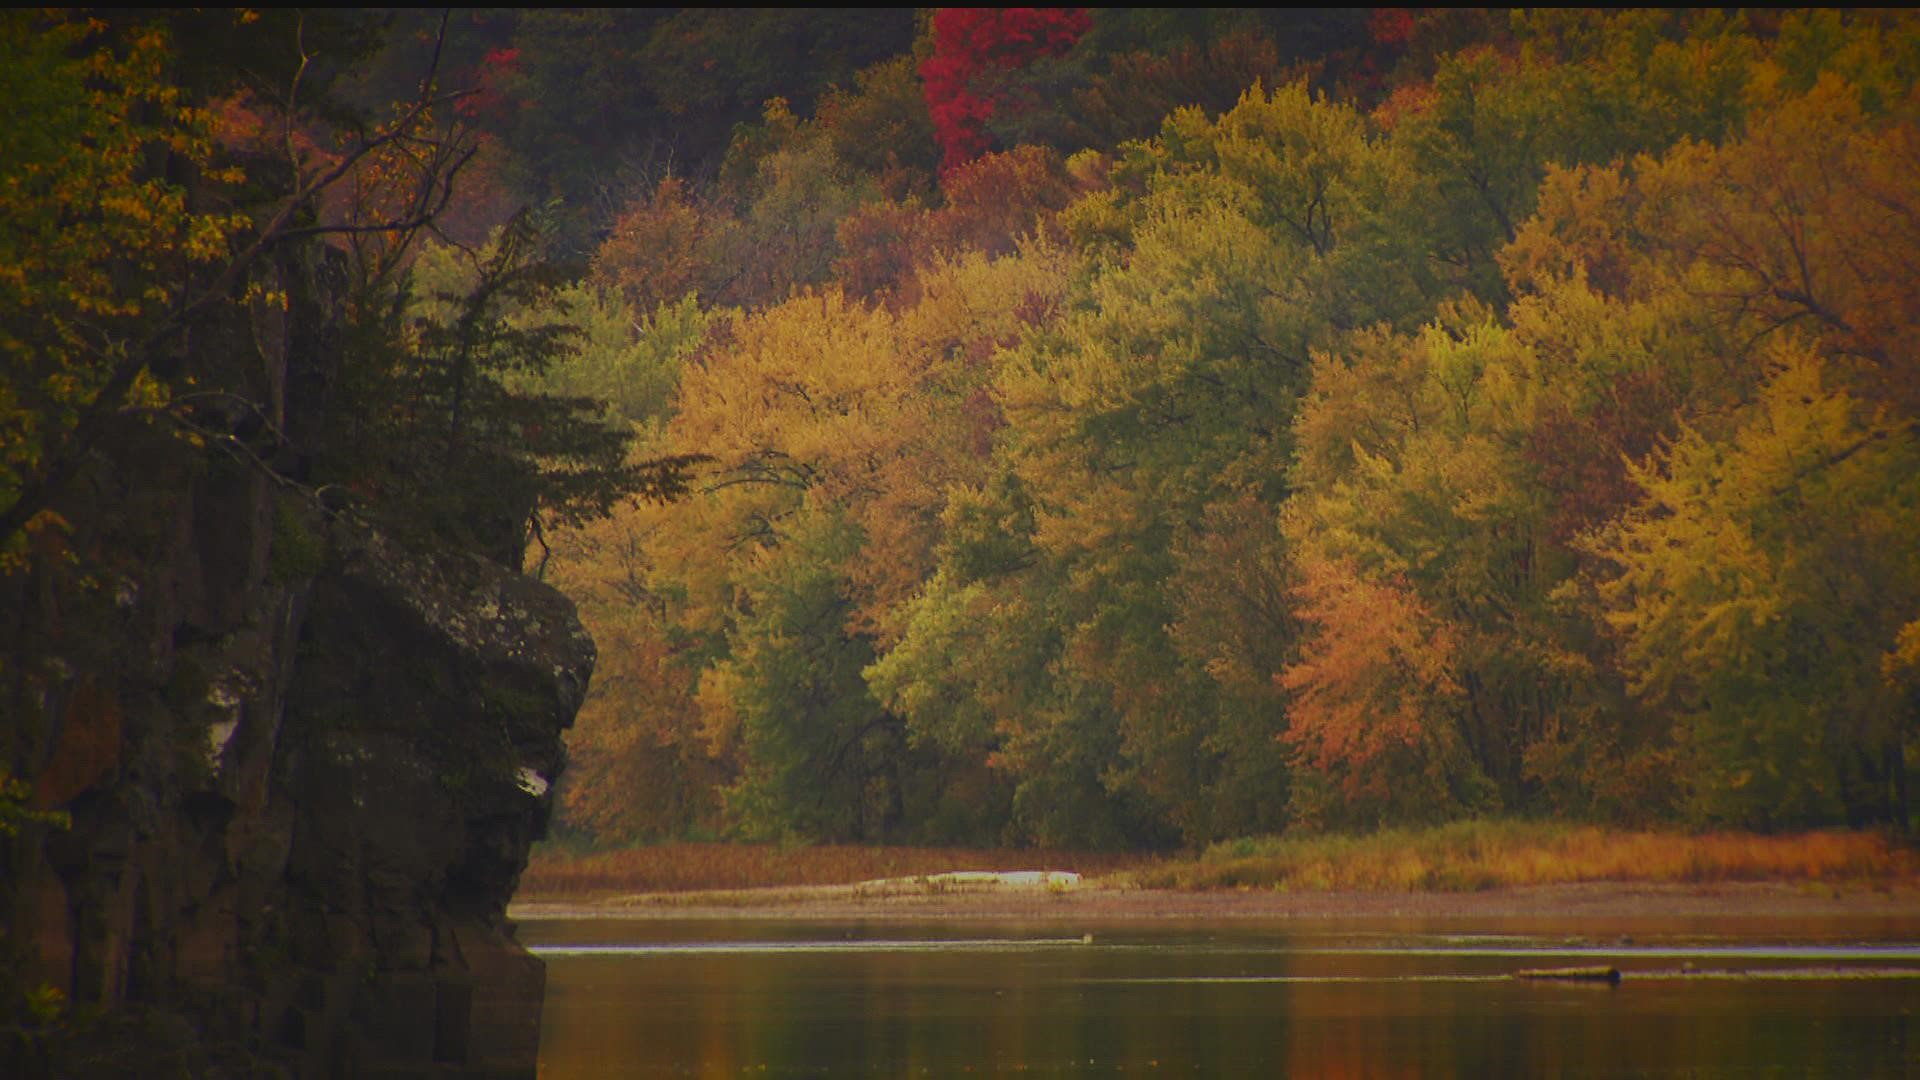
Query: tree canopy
{"x":1083,"y":427}
{"x":1484,"y":415}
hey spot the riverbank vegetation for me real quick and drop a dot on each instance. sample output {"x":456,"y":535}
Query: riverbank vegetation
{"x":1487,"y":415}
{"x":1467,"y":856}
{"x":1474,"y":855}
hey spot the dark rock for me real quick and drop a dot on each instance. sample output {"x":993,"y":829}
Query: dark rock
{"x":302,"y":782}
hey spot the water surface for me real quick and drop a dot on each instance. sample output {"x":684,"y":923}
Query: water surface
{"x":1307,"y":998}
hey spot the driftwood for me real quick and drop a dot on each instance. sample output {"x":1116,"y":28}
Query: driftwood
{"x":1608,"y":975}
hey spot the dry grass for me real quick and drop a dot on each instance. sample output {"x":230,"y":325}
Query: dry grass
{"x":1473,"y":855}
{"x":553,"y":874}
{"x":1461,"y":857}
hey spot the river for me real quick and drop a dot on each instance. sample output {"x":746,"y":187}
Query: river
{"x":1379,"y":997}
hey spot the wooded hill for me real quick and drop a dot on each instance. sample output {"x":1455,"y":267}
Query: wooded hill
{"x":1513,"y":416}
{"x":1140,"y":428}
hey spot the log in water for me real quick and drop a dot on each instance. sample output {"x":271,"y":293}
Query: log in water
{"x":1609,"y":975}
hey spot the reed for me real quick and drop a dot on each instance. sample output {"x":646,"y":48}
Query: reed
{"x":1472,"y":855}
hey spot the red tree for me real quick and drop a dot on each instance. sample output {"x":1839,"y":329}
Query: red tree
{"x":967,"y":41}
{"x":490,"y":99}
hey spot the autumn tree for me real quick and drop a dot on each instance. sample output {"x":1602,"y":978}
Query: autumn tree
{"x":1156,"y":399}
{"x":993,"y":203}
{"x":970,"y":41}
{"x":1376,"y":701}
{"x":130,"y":258}
{"x":1761,"y":579}
{"x":641,"y":764}
{"x":1141,"y":89}
{"x":1303,"y":462}
{"x":660,"y":249}
{"x":86,"y":217}
{"x":835,"y":433}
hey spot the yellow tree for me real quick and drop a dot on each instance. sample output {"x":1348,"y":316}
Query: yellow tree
{"x":640,"y":764}
{"x":837,"y":432}
{"x":1762,"y":583}
{"x":1413,"y":492}
{"x":97,"y":247}
{"x":110,"y":258}
{"x":1810,"y":220}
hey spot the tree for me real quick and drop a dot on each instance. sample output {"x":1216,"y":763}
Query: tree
{"x":970,"y":41}
{"x":1376,"y":705}
{"x":823,"y":760}
{"x":1760,"y":580}
{"x":1106,"y":469}
{"x":640,"y":764}
{"x":994,"y":203}
{"x":101,"y":251}
{"x":1141,"y":89}
{"x":881,"y":128}
{"x":115,"y":261}
{"x":446,"y":423}
{"x":1804,"y":221}
{"x":1413,"y":496}
{"x":836,"y":434}
{"x":660,"y":249}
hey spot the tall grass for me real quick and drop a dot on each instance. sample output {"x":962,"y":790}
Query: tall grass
{"x":1461,"y":857}
{"x":554,"y":873}
{"x":1472,"y":855}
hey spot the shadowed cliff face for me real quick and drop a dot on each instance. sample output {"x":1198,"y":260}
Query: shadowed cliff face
{"x":304,"y":759}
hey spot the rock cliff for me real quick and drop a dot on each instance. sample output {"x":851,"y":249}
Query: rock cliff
{"x":303,"y":759}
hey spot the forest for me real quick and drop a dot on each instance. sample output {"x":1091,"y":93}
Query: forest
{"x":1079,"y":428}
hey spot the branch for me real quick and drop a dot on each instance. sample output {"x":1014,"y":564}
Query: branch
{"x":419,"y":220}
{"x":38,"y":491}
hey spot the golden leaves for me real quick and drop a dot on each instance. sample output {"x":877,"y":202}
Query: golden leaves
{"x":1375,"y":694}
{"x":96,"y":245}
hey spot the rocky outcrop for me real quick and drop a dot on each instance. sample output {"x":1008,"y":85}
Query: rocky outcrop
{"x":426,"y":739}
{"x":303,"y":760}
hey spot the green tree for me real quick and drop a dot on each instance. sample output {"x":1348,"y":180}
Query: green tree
{"x":1760,"y":581}
{"x":440,"y":430}
{"x":823,"y":760}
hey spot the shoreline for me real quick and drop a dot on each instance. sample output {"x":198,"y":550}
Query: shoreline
{"x":1887,"y":902}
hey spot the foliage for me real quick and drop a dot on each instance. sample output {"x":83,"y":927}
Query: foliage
{"x":656,"y":252}
{"x":1375,"y":698}
{"x":1375,"y":419}
{"x":1761,"y":577}
{"x":591,"y":107}
{"x":823,"y":758}
{"x":98,"y":248}
{"x":17,"y":810}
{"x":993,"y":203}
{"x":970,"y":41}
{"x":442,"y":430}
{"x":1140,"y":89}
{"x":881,"y":127}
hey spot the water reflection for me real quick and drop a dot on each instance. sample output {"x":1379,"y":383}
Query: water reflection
{"x":654,"y":998}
